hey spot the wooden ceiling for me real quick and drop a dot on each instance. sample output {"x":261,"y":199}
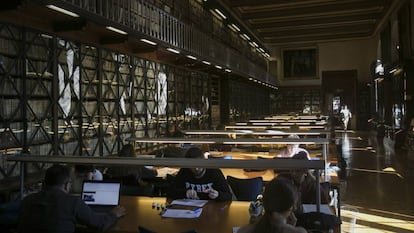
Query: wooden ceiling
{"x":288,"y":22}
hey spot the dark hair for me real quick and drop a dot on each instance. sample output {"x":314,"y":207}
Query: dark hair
{"x":279,"y":196}
{"x":194,"y":153}
{"x":127,"y":150}
{"x":57,"y":175}
{"x":300,"y":155}
{"x":80,"y":168}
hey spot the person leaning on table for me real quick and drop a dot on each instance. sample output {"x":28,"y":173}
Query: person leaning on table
{"x":279,"y":201}
{"x":53,"y":209}
{"x":305,"y":182}
{"x":136,"y":175}
{"x":81,"y":172}
{"x":199,"y":183}
{"x":291,"y":149}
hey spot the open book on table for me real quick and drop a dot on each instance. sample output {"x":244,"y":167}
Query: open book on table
{"x":189,"y":202}
{"x":184,"y":208}
{"x":312,"y":208}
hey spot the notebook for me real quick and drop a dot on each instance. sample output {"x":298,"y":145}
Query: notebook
{"x":312,"y":208}
{"x":101,"y":196}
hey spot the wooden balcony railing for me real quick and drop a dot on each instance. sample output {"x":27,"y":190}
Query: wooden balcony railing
{"x":143,"y":17}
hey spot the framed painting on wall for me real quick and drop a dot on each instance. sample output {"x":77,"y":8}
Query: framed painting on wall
{"x":300,"y":63}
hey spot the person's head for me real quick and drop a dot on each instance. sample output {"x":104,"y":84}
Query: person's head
{"x":196,"y":153}
{"x":80,"y":168}
{"x":84,"y":172}
{"x":279,"y":196}
{"x":299,"y":174}
{"x":58,"y":176}
{"x":293,"y":147}
{"x":127,"y":150}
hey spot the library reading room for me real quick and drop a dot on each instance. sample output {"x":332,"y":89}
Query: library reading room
{"x":207,"y":116}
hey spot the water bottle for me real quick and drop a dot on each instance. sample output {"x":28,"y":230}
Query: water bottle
{"x":256,"y":207}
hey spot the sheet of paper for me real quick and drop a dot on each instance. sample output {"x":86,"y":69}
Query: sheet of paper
{"x":177,"y":213}
{"x":189,"y":202}
{"x":312,"y":208}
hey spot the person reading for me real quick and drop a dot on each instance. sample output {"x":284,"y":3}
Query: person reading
{"x":199,"y":183}
{"x":136,"y":175}
{"x":82,"y":172}
{"x":279,"y":201}
{"x":53,"y":209}
{"x":292,"y":149}
{"x":305,"y":183}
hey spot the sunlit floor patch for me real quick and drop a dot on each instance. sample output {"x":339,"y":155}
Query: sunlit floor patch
{"x":389,"y":169}
{"x":362,"y":149}
{"x":374,"y":222}
{"x":381,"y":224}
{"x":386,"y":171}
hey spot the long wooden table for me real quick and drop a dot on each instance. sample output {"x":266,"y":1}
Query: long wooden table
{"x":290,"y":123}
{"x":274,"y":127}
{"x":229,"y":141}
{"x":234,"y":164}
{"x":249,"y":132}
{"x":266,"y":174}
{"x":213,"y":218}
{"x":217,"y":217}
{"x":284,"y":120}
{"x":296,"y":117}
{"x":239,"y":141}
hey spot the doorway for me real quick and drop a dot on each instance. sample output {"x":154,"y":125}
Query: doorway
{"x":339,"y":88}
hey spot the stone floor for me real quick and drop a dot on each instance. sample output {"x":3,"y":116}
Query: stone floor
{"x":379,"y":184}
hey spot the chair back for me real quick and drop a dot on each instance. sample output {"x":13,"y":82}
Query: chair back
{"x":245,"y":189}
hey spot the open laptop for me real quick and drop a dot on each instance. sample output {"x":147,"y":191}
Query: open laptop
{"x":101,"y":196}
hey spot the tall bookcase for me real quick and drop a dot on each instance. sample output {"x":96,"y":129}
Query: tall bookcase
{"x":303,"y":100}
{"x":60,"y":97}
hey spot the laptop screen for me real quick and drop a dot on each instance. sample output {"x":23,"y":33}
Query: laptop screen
{"x":101,"y":193}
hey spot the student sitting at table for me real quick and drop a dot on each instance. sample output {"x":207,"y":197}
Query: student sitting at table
{"x":82,"y":172}
{"x":306,"y":185}
{"x":292,"y":149}
{"x":137,"y":175}
{"x":53,"y":209}
{"x":305,"y":182}
{"x":279,"y":201}
{"x":199,"y":183}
